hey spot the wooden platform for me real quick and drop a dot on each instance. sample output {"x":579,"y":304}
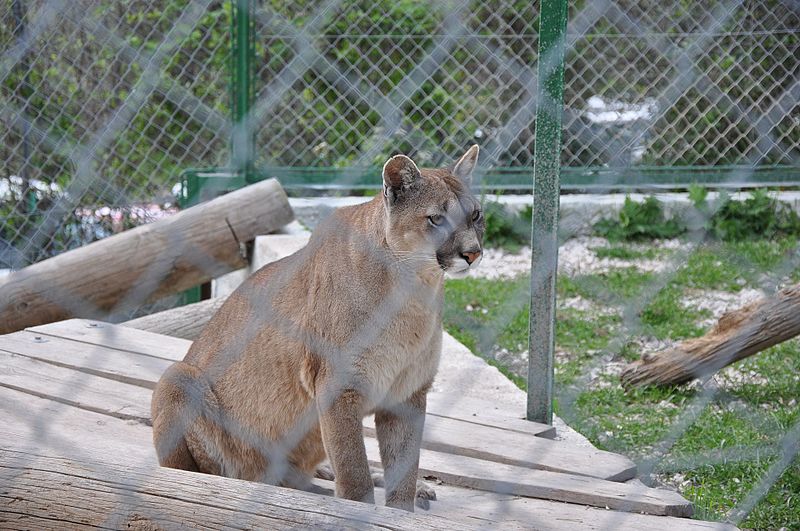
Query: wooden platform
{"x":76,"y":451}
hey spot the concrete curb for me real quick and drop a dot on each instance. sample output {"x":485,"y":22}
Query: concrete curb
{"x":577,"y":215}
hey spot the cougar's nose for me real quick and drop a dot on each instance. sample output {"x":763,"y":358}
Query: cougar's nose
{"x":470,"y":257}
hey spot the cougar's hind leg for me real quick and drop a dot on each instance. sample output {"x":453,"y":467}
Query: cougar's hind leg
{"x":191,"y":432}
{"x":179,"y":406}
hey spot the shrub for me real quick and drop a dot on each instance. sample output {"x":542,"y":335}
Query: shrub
{"x":761,"y":216}
{"x":509,"y":230}
{"x":640,"y":221}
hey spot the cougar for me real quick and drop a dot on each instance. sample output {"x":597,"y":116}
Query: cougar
{"x":351,"y":325}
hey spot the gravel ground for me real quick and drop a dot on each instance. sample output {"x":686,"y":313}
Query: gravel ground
{"x":577,"y":257}
{"x":719,"y":302}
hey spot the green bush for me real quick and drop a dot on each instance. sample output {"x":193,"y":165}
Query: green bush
{"x":761,"y":216}
{"x":640,"y":221}
{"x":505,"y":229}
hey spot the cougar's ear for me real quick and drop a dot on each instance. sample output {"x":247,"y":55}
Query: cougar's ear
{"x":399,"y":174}
{"x":466,"y":164}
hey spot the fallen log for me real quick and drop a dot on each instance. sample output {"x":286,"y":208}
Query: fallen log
{"x":145,"y":263}
{"x":185,"y":322}
{"x":50,"y":492}
{"x":737,"y":335}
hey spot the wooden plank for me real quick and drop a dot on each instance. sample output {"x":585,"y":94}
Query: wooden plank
{"x":117,"y":337}
{"x":35,"y":428}
{"x":513,"y":448}
{"x":139,"y":341}
{"x":517,"y":512}
{"x":543,"y":515}
{"x":114,"y":364}
{"x":73,"y":428}
{"x":484,"y":413}
{"x":144,"y":371}
{"x":52,"y":493}
{"x":186,"y":322}
{"x":79,"y":389}
{"x":508,"y":479}
{"x":43,"y":425}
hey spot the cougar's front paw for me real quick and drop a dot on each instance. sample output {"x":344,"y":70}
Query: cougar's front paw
{"x":324,"y":471}
{"x":425,"y":494}
{"x":377,"y":477}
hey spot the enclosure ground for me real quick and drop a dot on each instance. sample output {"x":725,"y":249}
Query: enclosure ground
{"x":90,"y":385}
{"x":713,"y":442}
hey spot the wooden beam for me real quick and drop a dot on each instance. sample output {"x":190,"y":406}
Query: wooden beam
{"x":185,"y":322}
{"x":737,"y":335}
{"x":502,"y":446}
{"x":145,"y":263}
{"x":49,"y":492}
{"x":116,"y":337}
{"x":462,"y":471}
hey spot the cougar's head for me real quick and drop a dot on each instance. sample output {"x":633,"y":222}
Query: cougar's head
{"x":433,"y":220}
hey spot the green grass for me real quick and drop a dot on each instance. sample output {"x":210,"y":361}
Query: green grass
{"x":613,"y":286}
{"x":716,"y":458}
{"x":665,"y":317}
{"x":626,"y":252}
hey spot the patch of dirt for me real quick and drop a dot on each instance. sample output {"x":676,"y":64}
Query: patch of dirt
{"x":734,"y":376}
{"x":500,"y":264}
{"x":650,"y":345}
{"x":718,"y":302}
{"x":516,"y":362}
{"x":581,"y":304}
{"x":575,"y":257}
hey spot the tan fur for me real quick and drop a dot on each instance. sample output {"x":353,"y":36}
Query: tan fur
{"x":350,"y":325}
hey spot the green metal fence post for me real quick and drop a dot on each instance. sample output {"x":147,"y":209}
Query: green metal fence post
{"x":242,"y":86}
{"x":242,"y":93}
{"x":544,"y":240}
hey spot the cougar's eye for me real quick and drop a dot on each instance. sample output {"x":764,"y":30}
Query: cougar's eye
{"x":476,"y":215}
{"x":436,"y":220}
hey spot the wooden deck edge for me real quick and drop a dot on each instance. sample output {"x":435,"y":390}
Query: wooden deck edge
{"x":55,"y":489}
{"x":523,"y":450}
{"x":462,"y":471}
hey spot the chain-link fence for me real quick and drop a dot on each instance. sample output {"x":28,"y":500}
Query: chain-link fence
{"x":358,"y":80}
{"x":110,"y":101}
{"x":104,"y":104}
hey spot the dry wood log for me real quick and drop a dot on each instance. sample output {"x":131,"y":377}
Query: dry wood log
{"x":49,"y":492}
{"x":145,"y":263}
{"x":737,"y":335}
{"x":185,"y":322}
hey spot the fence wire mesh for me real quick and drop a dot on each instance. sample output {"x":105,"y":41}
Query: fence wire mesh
{"x":105,"y":103}
{"x":137,"y":99}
